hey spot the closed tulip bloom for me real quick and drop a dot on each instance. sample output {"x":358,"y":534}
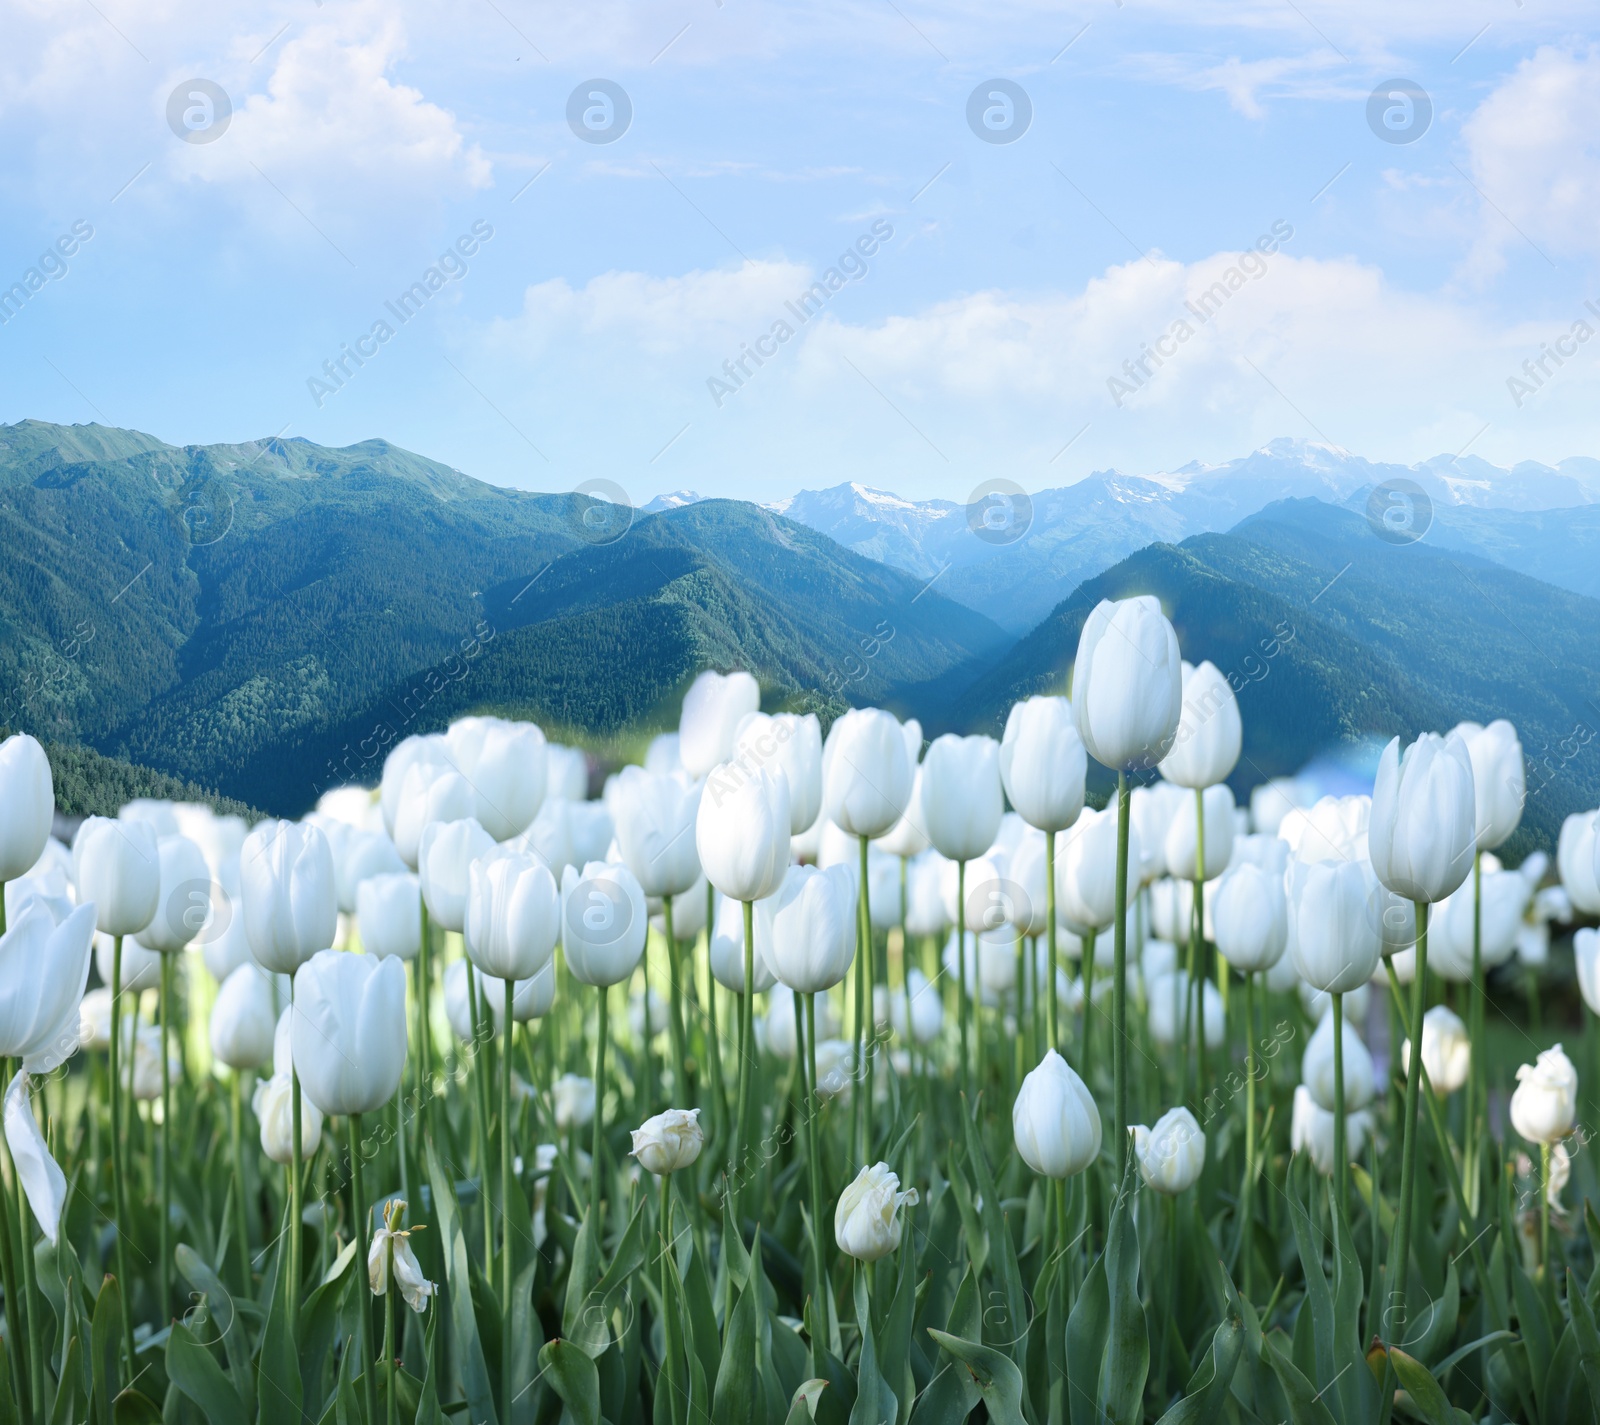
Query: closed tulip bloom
{"x":655,"y":822}
{"x":1172,"y":908}
{"x":1586,"y":955}
{"x":290,"y":905}
{"x":669,"y":1141}
{"x":792,"y":743}
{"x":1182,"y":845}
{"x":604,"y":922}
{"x":1206,"y":748}
{"x":117,"y":866}
{"x":807,"y":930}
{"x":712,"y":710}
{"x":591,"y":829}
{"x":1316,"y":1067}
{"x":1578,"y":860}
{"x":866,"y":773}
{"x":1086,"y":869}
{"x":1151,"y":812}
{"x":574,"y":1100}
{"x":366,"y":854}
{"x":866,"y":1223}
{"x":1311,"y":1131}
{"x":1043,"y":764}
{"x":1446,"y":1050}
{"x":1423,"y":830}
{"x":389,"y":911}
{"x":1250,"y":915}
{"x":44,"y":967}
{"x":688,"y":913}
{"x":430,"y":793}
{"x":1332,"y":829}
{"x":94,"y":1019}
{"x":1171,"y":1154}
{"x":1127,"y":684}
{"x":349,"y":1030}
{"x":925,"y":914}
{"x":505,"y":765}
{"x":780,"y":1020}
{"x":662,"y":755}
{"x":883,"y":879}
{"x":550,"y":836}
{"x":530,"y":999}
{"x":1336,"y":937}
{"x":1499,"y":917}
{"x":513,"y":914}
{"x":1054,"y":1120}
{"x":1544,"y":1104}
{"x":444,"y":865}
{"x":1166,"y":996}
{"x":242,"y":1020}
{"x":28,"y":800}
{"x":727,"y":951}
{"x":566,"y":773}
{"x":927,"y":1010}
{"x":146,"y":1075}
{"x":961,"y":795}
{"x":908,"y":837}
{"x":432,"y":749}
{"x":184,"y":902}
{"x":273,"y":1105}
{"x":742,"y":831}
{"x":1030,"y":905}
{"x":1499,"y":779}
{"x":835,"y":1067}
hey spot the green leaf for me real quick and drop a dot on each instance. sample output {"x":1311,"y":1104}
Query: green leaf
{"x":134,"y":1408}
{"x":1209,"y":1387}
{"x":8,"y":1400}
{"x":278,"y":1394}
{"x":572,"y":1375}
{"x":1426,"y":1396}
{"x":587,"y":1320}
{"x":527,"y":1337}
{"x":1127,"y":1348}
{"x":1088,"y":1325}
{"x":1013,"y":1333}
{"x":106,"y":1338}
{"x":734,"y":1401}
{"x":876,"y":1402}
{"x":702,"y":1315}
{"x":468,"y":1353}
{"x":1316,"y":1312}
{"x":1588,"y":1340}
{"x":428,"y":1412}
{"x":225,"y":1321}
{"x":993,"y":1372}
{"x":803,"y":1404}
{"x":582,"y":1274}
{"x":1305,"y":1404}
{"x":195,"y":1372}
{"x":65,"y":1409}
{"x":319,"y":1322}
{"x":1533,"y":1325}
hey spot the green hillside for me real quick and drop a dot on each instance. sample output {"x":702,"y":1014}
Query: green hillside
{"x":1387,"y":639}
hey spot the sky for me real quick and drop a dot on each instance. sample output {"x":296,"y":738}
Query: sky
{"x":1366,"y":223}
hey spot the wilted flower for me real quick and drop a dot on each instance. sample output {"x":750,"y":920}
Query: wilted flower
{"x":414,"y":1287}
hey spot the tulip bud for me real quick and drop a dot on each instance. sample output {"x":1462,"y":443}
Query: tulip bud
{"x":1578,"y":860}
{"x":908,"y":837}
{"x":117,"y":866}
{"x":1043,"y":764}
{"x":866,"y":1224}
{"x":44,"y":967}
{"x":1422,"y":834}
{"x":1496,"y":920}
{"x":1172,"y":1154}
{"x":792,"y":744}
{"x":1206,"y":746}
{"x":712,"y":709}
{"x":505,"y":765}
{"x":141,"y":968}
{"x":1544,"y":1104}
{"x":94,"y":1020}
{"x":1273,"y":800}
{"x":662,"y":756}
{"x":1054,"y":1120}
{"x":1250,"y":914}
{"x":1317,"y":1003}
{"x":742,"y":831}
{"x":1446,"y":1050}
{"x":604,"y":923}
{"x":27,"y":793}
{"x":961,"y":795}
{"x":1086,"y":869}
{"x":415,"y":1288}
{"x":883,"y":878}
{"x":567,"y":773}
{"x":1311,"y":1130}
{"x":574,"y":1100}
{"x":1335,"y":936}
{"x":445,"y":855}
{"x":1166,"y":997}
{"x":655,"y":820}
{"x":1182,"y":844}
{"x":1151,"y":812}
{"x":1127,"y":684}
{"x":290,"y":906}
{"x":1499,"y":780}
{"x":273,"y":1105}
{"x":727,"y":951}
{"x":389,"y":912}
{"x":669,"y":1141}
{"x":807,"y":930}
{"x":1316,"y":1067}
{"x":242,"y":1020}
{"x":513,"y":914}
{"x":147,"y":1064}
{"x":867,"y":773}
{"x":1586,"y":955}
{"x":366,"y":854}
{"x":184,"y":903}
{"x":349,"y":1030}
{"x":432,"y":792}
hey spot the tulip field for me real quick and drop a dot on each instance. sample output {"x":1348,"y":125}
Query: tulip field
{"x":810,"y":1073}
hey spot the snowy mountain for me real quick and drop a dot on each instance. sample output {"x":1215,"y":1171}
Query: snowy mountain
{"x":1081,"y":529}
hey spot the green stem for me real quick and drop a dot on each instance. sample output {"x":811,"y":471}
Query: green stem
{"x":1471,"y":1105}
{"x":28,"y":1322}
{"x":359,"y":1220}
{"x":669,"y":1355}
{"x":292,"y":1305}
{"x":506,"y":1383}
{"x":747,"y":1046}
{"x":424,"y":980}
{"x":1050,"y":914}
{"x":1341,"y":1149}
{"x":1086,"y":975}
{"x":1247,"y":1214}
{"x":1119,"y":985}
{"x":596,"y":1172}
{"x":164,"y":1276}
{"x":961,"y":973}
{"x":814,"y":1171}
{"x":1544,"y":1209}
{"x":119,"y":1153}
{"x":388,"y":1334}
{"x":482,"y":1070}
{"x":242,"y":1227}
{"x":680,"y":1052}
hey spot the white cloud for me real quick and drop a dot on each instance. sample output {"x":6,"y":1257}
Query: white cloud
{"x":1534,"y":149}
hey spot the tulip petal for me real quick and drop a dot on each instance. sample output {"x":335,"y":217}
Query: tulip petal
{"x":42,"y":1180}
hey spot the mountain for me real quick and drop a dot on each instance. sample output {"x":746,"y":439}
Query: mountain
{"x":1331,"y":635}
{"x":234,"y":615}
{"x":1079,"y":530}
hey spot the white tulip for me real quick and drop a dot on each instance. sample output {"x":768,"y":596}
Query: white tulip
{"x":835,"y":1067}
{"x":505,"y":765}
{"x":365,"y":854}
{"x":742,"y":831}
{"x":1086,"y":868}
{"x":389,"y":910}
{"x":1446,"y":1050}
{"x":792,"y":743}
{"x":430,"y":793}
{"x":806,"y":931}
{"x":883,"y":881}
{"x":961,"y":795}
{"x":1043,"y":763}
{"x":1166,"y":997}
{"x":866,"y":1223}
{"x":925,"y":914}
{"x":184,"y":904}
{"x":866,"y":772}
{"x":1151,"y":812}
{"x":727,"y":951}
{"x":1586,"y":954}
{"x":1172,"y":1154}
{"x":669,"y":1141}
{"x":348,"y":1030}
{"x":1578,"y":860}
{"x":243,"y":1021}
{"x":574,"y":1100}
{"x":513,"y":914}
{"x":712,"y":710}
{"x":1183,"y":836}
{"x":1316,"y":1002}
{"x":1206,"y":747}
{"x":273,"y":1105}
{"x":27,"y":794}
{"x":604,"y":923}
{"x":591,"y":831}
{"x":414,"y":1288}
{"x":662,"y":755}
{"x":290,"y":903}
{"x":1336,"y":939}
{"x":566,"y":773}
{"x":655,"y":822}
{"x":1127,"y":684}
{"x":1311,"y":1130}
{"x":927,"y":1009}
{"x":141,"y":968}
{"x":116,"y":865}
{"x":1274,"y":799}
{"x":1251,"y":914}
{"x":1316,"y":1067}
{"x":445,"y":854}
{"x":1054,"y":1121}
{"x":1499,"y":779}
{"x":1423,"y":830}
{"x":1499,"y":916}
{"x":1544,"y":1104}
{"x":908,"y":837}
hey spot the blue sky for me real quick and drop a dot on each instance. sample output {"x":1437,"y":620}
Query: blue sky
{"x":583,"y":337}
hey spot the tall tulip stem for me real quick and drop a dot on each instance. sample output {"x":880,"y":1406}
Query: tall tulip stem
{"x":669,"y":1354}
{"x":164,"y":1276}
{"x":242,"y":1225}
{"x":1476,"y":1091}
{"x":807,"y":1048}
{"x":359,"y":1217}
{"x":506,"y":1353}
{"x":392,"y":1401}
{"x":1247,"y":1197}
{"x":869,"y":1018}
{"x":1050,"y":932}
{"x":292,"y":1305}
{"x":424,"y":979}
{"x":1119,"y":989}
{"x":1400,"y":1250}
{"x":961,"y":973}
{"x":119,"y":1146}
{"x":8,"y":1276}
{"x":596,"y":1172}
{"x":680,"y":1052}
{"x":747,"y":1047}
{"x":1341,"y":1150}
